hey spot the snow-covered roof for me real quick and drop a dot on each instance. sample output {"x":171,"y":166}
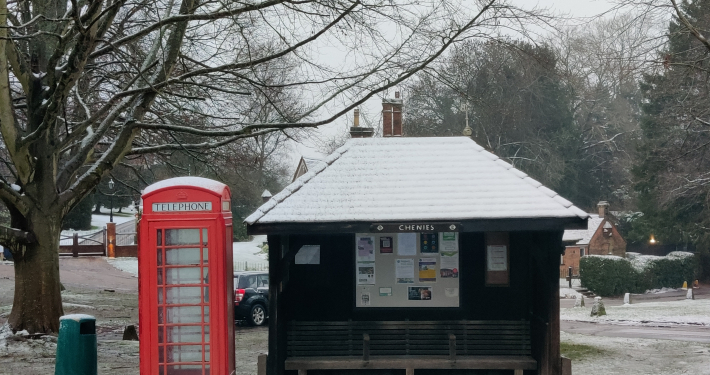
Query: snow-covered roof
{"x":312,"y":163}
{"x":583,"y":236}
{"x":201,"y":182}
{"x":394,"y":179}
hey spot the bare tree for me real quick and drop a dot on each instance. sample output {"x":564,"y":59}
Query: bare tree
{"x":602,"y":62}
{"x":84,"y":84}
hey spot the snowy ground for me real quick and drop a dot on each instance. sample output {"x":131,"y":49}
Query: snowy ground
{"x":249,"y":254}
{"x":98,"y":222}
{"x":245,"y":254}
{"x":656,"y":314}
{"x":596,"y":355}
{"x":129,"y":265}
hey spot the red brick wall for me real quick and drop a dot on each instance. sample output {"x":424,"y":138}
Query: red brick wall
{"x":570,"y":258}
{"x":607,"y":242}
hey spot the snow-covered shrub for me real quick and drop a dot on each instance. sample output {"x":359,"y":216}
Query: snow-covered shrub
{"x":611,"y":275}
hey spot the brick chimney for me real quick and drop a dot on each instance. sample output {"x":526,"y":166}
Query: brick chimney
{"x":603,"y":208}
{"x":392,"y":116}
{"x":356,"y":131}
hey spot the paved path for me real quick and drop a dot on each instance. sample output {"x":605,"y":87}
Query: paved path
{"x":678,"y":333}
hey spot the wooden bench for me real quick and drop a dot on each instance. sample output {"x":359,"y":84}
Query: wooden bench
{"x":409,"y":345}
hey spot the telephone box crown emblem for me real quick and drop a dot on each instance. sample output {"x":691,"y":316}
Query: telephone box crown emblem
{"x":181,"y":195}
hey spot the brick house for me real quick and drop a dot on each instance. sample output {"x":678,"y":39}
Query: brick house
{"x":600,"y":238}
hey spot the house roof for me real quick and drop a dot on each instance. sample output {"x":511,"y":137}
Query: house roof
{"x":583,"y":236}
{"x":312,"y":163}
{"x":398,"y":179}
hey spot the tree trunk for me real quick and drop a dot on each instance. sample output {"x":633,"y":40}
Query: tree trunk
{"x":37,"y":304}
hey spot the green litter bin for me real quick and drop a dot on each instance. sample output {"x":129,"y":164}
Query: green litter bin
{"x":76,"y":346}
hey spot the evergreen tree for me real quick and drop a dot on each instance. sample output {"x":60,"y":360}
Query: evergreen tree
{"x":518,"y":106}
{"x":673,"y":175}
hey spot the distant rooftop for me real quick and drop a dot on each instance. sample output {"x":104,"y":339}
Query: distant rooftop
{"x":583,"y":236}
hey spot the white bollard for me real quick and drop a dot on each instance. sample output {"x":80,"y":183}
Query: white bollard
{"x":690,"y":294}
{"x":627,"y":299}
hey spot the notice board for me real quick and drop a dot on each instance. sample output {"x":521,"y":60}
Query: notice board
{"x":407,"y":269}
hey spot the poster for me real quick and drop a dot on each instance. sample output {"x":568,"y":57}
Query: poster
{"x":404,"y":271}
{"x":429,"y":242}
{"x":406,"y":244}
{"x":449,"y":267}
{"x":497,"y":258}
{"x":419,"y":293}
{"x":366,"y":249}
{"x":448,"y":242}
{"x":427,"y":269}
{"x":386,"y":292}
{"x":308,"y":254}
{"x":386,"y":245}
{"x":365,"y":273}
{"x":365,"y":299}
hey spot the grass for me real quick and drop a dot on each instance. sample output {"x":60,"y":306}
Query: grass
{"x":577,"y":352}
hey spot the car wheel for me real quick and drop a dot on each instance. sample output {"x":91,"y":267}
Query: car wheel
{"x":257,"y":316}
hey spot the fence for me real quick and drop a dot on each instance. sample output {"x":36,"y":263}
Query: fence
{"x":251,"y":266}
{"x":90,"y":244}
{"x":564,"y":272}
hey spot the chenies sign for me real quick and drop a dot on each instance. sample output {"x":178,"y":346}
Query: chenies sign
{"x":182,"y":206}
{"x":415,"y":227}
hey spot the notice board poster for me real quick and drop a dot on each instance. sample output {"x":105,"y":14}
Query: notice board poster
{"x":407,"y":269}
{"x":497,"y":259}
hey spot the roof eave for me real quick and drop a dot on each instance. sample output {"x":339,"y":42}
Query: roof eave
{"x":471,"y":225}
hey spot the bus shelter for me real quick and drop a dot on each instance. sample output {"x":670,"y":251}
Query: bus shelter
{"x":414,"y":255}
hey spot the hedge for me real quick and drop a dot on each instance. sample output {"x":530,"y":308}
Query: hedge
{"x":607,"y":275}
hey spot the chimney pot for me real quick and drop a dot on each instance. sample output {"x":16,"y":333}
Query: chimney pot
{"x":392,"y":117}
{"x":356,"y":119}
{"x":603,"y":207}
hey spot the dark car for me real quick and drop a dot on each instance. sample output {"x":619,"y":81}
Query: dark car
{"x":251,"y":296}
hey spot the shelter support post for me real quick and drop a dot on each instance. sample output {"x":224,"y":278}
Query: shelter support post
{"x":278,"y":245}
{"x":545,"y":312}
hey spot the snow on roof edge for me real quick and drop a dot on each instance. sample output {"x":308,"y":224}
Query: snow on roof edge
{"x":286,"y":192}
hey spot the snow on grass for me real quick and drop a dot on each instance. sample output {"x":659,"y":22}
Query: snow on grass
{"x":129,"y":265}
{"x":250,"y":252}
{"x":657,"y":314}
{"x":627,"y":356}
{"x":77,"y":306}
{"x":243,"y":252}
{"x":569,"y":293}
{"x":98,"y":222}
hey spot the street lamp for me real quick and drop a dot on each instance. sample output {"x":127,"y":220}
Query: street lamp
{"x":110,"y":187}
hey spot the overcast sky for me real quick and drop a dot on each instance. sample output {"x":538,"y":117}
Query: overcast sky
{"x":572,"y":8}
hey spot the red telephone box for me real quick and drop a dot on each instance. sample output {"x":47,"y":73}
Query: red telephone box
{"x":185,"y":278}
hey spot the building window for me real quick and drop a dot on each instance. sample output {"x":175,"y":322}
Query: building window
{"x":581,"y":252}
{"x":562,"y":260}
